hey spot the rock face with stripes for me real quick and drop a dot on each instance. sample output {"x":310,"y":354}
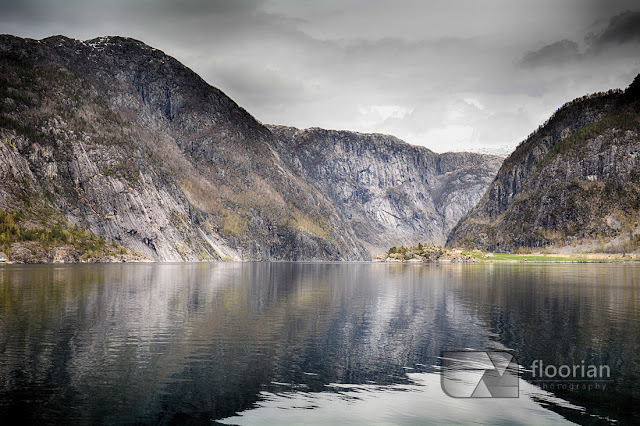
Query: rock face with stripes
{"x":388,"y":191}
{"x":112,"y":138}
{"x":574,"y":184}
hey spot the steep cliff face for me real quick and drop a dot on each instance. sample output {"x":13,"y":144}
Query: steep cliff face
{"x":574,"y":182}
{"x":111,"y":146}
{"x":389,"y":192}
{"x":127,"y":143}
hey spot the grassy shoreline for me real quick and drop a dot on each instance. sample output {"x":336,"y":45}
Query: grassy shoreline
{"x":558,"y":258}
{"x":428,"y":253}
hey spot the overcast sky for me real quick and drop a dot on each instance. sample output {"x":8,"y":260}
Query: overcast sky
{"x":446,"y":74}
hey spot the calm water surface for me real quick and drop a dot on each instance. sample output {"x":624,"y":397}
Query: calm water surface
{"x":255,"y":343}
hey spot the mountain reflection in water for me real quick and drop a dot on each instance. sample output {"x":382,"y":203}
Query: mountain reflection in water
{"x":352,"y":341}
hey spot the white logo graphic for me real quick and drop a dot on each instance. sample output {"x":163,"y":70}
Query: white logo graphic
{"x":479,"y":374}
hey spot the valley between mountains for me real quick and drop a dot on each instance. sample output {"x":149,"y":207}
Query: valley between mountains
{"x":113,"y":151}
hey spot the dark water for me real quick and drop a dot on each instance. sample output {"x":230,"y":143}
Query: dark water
{"x":293,"y":342}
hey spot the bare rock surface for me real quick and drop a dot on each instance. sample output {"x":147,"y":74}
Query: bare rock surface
{"x":573,"y":185}
{"x":111,"y":146}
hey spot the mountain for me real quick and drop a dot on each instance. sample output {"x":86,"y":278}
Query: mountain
{"x":112,"y":150}
{"x":387,"y":191}
{"x":574,"y":184}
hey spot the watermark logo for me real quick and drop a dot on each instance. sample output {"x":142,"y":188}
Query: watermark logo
{"x":479,"y":374}
{"x":577,"y":377}
{"x":581,"y":371}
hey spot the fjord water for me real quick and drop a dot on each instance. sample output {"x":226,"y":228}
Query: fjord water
{"x":310,"y":342}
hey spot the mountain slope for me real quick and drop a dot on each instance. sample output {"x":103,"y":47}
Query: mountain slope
{"x":129,"y":144}
{"x":388,"y":191}
{"x":574,"y":182}
{"x":127,"y":152}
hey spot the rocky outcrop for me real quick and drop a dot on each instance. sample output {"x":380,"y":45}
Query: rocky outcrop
{"x":116,"y":138}
{"x":573,"y":182}
{"x":389,"y":192}
{"x":423,"y":254}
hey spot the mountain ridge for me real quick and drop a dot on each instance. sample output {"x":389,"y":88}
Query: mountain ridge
{"x":571,"y":185}
{"x":124,"y":142}
{"x":389,"y":190}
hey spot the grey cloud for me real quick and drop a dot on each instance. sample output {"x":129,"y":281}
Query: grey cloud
{"x":257,"y":84}
{"x":621,"y":31}
{"x":199,"y":7}
{"x":553,"y":54}
{"x":623,"y":28}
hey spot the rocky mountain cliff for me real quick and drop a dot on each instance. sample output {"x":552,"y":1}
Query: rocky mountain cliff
{"x":575,"y":182}
{"x":112,"y":148}
{"x":389,"y":192}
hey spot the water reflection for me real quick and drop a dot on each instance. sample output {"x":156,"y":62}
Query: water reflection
{"x":157,"y":343}
{"x":419,"y":402}
{"x":567,"y":315}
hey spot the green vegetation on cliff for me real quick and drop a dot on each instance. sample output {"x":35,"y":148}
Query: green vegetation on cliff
{"x":572,"y":186}
{"x":23,"y":238}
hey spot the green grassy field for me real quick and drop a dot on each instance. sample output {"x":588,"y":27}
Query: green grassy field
{"x":499,"y":257}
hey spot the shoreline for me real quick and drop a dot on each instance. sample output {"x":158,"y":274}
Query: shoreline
{"x":436,"y":254}
{"x":635,"y":259}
